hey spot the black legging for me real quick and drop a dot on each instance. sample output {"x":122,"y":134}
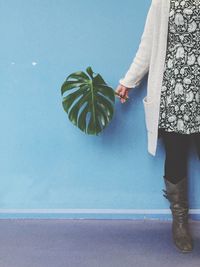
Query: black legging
{"x":176,"y":154}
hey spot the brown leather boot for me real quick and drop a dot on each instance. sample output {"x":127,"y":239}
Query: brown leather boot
{"x":177,"y":196}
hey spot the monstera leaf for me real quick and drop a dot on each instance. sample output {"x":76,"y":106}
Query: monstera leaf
{"x":91,"y":104}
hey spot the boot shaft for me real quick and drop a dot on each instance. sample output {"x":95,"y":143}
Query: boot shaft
{"x":177,"y":194}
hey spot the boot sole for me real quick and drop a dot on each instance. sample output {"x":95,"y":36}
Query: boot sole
{"x":182,"y":250}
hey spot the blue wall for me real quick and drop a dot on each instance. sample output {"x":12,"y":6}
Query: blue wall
{"x":47,"y":165}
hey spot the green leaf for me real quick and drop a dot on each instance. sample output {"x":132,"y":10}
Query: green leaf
{"x":92,"y":99}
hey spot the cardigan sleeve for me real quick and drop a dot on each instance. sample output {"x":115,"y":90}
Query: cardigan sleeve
{"x":140,"y":63}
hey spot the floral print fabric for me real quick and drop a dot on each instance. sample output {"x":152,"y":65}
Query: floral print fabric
{"x":179,"y":105}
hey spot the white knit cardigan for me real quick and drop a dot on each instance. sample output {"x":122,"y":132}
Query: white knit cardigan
{"x":150,"y":57}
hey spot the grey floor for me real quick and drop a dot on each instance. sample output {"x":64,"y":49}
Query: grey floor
{"x":91,"y":243}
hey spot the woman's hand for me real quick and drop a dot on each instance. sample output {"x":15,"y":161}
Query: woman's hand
{"x":122,"y":93}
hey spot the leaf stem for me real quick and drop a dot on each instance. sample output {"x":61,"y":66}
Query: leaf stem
{"x":121,"y":96}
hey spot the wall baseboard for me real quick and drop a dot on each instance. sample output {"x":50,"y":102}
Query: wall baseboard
{"x":94,"y":211}
{"x":160,"y":214}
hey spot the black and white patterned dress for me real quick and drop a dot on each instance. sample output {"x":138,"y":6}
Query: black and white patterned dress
{"x":179,"y":105}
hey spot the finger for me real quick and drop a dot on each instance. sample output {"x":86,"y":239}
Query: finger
{"x":117,"y":92}
{"x":122,"y":100}
{"x":118,"y":89}
{"x":126,"y":94}
{"x":123,"y":91}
